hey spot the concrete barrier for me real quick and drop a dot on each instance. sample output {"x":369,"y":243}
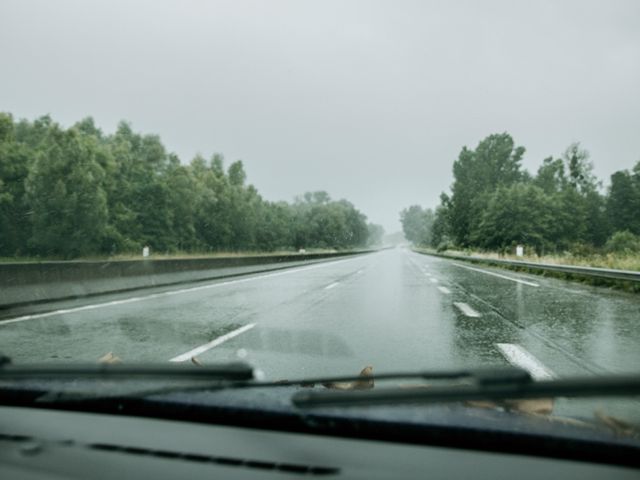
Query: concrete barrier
{"x":28,"y":283}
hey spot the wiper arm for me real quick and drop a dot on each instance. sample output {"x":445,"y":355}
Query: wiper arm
{"x":486,"y":374}
{"x":490,"y":384}
{"x":228,"y":372}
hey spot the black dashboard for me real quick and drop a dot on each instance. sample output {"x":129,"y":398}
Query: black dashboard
{"x":53,"y":444}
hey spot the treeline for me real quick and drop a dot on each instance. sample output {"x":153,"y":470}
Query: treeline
{"x":76,"y":192}
{"x":495,"y":204}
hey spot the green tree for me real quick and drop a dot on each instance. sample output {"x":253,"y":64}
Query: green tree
{"x":15,"y":227}
{"x":321,"y":222}
{"x":579,"y":168}
{"x":182,"y":198}
{"x":375,"y":234}
{"x":274,"y":230}
{"x":477,"y":174}
{"x":64,"y":191}
{"x":623,"y":202}
{"x":211,"y":206}
{"x":79,"y":192}
{"x":441,"y":237}
{"x":583,"y":215}
{"x":551,"y":178}
{"x":623,"y":242}
{"x":236,"y":173}
{"x":518,"y":214}
{"x":217,"y":164}
{"x":417,"y":225}
{"x":139,"y":195}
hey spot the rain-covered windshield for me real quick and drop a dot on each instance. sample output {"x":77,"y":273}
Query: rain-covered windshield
{"x":301,"y":185}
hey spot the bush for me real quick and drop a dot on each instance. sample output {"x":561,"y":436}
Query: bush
{"x":623,"y":242}
{"x":582,"y":250}
{"x":444,"y":246}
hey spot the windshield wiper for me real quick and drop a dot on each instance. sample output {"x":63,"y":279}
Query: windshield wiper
{"x":489,"y":384}
{"x":498,"y":383}
{"x":512,"y":373}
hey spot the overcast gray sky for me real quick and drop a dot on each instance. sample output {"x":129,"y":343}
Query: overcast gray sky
{"x":370,"y":101}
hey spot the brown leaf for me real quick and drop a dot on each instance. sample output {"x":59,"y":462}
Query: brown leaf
{"x":570,"y":421}
{"x":537,"y":406}
{"x":481,"y":404}
{"x":365,"y":382}
{"x":109,"y":358}
{"x":619,"y":427}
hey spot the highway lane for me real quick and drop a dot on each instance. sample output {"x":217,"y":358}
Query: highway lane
{"x":575,"y":328}
{"x":412,"y":311}
{"x":157,"y":324}
{"x":394,"y":310}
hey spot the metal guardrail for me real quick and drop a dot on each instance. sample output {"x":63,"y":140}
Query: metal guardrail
{"x":592,"y":272}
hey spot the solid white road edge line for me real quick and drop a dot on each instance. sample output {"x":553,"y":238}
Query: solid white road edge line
{"x":467,"y":310}
{"x":213,"y":343}
{"x":524,"y":282}
{"x":518,"y":356}
{"x":166,"y":294}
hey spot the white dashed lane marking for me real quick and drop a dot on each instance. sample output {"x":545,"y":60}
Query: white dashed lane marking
{"x":518,"y":356}
{"x":466,"y":310}
{"x":213,"y":343}
{"x":333,"y":285}
{"x":444,"y":290}
{"x":524,"y":282}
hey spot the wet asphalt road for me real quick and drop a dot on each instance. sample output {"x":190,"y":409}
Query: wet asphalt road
{"x":394,"y":310}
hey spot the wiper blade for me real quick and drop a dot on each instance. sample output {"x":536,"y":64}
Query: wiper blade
{"x":486,"y":385}
{"x":228,"y":372}
{"x":486,"y":375}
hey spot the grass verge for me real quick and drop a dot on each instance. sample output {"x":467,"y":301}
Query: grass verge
{"x":623,"y":263}
{"x":170,"y":256}
{"x":630,"y":262}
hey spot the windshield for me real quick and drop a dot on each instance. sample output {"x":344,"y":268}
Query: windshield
{"x":320,"y":189}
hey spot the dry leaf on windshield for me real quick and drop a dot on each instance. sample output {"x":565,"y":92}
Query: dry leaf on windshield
{"x":535,"y":406}
{"x":109,"y":358}
{"x":365,"y":383}
{"x":481,"y":404}
{"x":619,"y":427}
